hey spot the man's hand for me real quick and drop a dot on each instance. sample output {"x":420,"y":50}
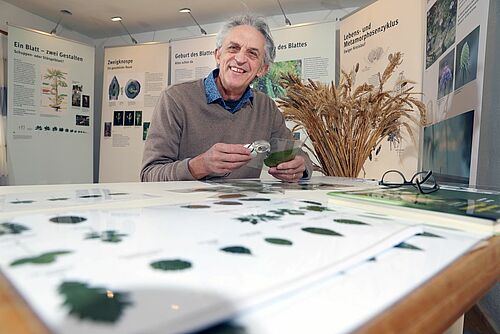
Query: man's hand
{"x":220,"y":159}
{"x":290,"y":171}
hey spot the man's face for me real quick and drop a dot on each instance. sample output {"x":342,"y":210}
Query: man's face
{"x":240,"y":60}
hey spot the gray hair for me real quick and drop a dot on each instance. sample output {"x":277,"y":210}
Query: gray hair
{"x":253,"y":21}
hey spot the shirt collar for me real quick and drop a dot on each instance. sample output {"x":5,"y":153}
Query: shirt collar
{"x":213,"y":95}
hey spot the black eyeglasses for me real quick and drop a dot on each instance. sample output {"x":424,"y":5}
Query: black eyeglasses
{"x":423,"y":181}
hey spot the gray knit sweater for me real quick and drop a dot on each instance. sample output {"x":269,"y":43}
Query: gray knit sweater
{"x":183,"y":126}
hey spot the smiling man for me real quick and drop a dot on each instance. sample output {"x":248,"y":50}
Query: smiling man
{"x":199,"y":128}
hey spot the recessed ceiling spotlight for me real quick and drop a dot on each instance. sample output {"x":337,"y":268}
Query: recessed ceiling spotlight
{"x":116,"y":18}
{"x":185,"y":10}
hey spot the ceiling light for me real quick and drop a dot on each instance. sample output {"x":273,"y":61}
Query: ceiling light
{"x":120,"y":19}
{"x":63,"y":12}
{"x":287,"y":21}
{"x":188,"y":10}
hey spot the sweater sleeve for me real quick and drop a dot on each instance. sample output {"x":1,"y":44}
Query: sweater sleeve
{"x":280,"y":130}
{"x":161,"y":151}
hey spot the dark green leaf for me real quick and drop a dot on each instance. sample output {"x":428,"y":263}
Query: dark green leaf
{"x":171,"y":265}
{"x":44,"y":258}
{"x":428,"y":234}
{"x":196,"y":206}
{"x":349,"y":221}
{"x":12,"y":228}
{"x":93,"y":303}
{"x":237,"y":250}
{"x":322,"y":231}
{"x":316,"y":208}
{"x":228,"y":203}
{"x":67,"y":219}
{"x":405,"y":245}
{"x":278,"y":241}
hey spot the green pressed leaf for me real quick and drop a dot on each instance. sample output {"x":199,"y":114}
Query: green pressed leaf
{"x":237,"y":250}
{"x":256,"y":199}
{"x":44,"y":258}
{"x":27,"y":201}
{"x":316,"y":208}
{"x":90,"y":196}
{"x":228,"y":203}
{"x":106,"y":236}
{"x":255,"y":219}
{"x":12,"y":228}
{"x":282,"y":212}
{"x":67,"y":219}
{"x":350,"y":221}
{"x":277,"y":241}
{"x":322,"y":231}
{"x":227,"y":196}
{"x":171,"y":265}
{"x":405,"y":245}
{"x":58,"y":199}
{"x":429,"y":235}
{"x":312,"y":202}
{"x":196,"y":206}
{"x":93,"y":303}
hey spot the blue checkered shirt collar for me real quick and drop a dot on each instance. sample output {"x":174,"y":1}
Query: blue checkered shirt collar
{"x":213,"y":95}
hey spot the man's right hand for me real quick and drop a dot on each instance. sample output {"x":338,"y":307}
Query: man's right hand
{"x":220,"y":159}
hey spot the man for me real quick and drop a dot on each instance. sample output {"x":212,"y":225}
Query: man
{"x":199,"y":128}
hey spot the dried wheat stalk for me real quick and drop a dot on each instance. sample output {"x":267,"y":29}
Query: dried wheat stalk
{"x":346,"y":124}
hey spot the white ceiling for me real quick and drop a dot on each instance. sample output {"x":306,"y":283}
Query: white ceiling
{"x":92,"y":17}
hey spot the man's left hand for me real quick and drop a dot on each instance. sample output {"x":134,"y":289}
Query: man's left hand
{"x":290,"y":171}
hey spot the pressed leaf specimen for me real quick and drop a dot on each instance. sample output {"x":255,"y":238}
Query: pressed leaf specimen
{"x":93,"y":303}
{"x":405,"y":245}
{"x":321,"y":231}
{"x":429,"y":235}
{"x":350,"y":221}
{"x":196,"y":206}
{"x":237,"y":250}
{"x":278,"y":241}
{"x":106,"y":236}
{"x":44,"y":258}
{"x":317,"y":208}
{"x":171,"y":265}
{"x":67,"y":219}
{"x":12,"y":228}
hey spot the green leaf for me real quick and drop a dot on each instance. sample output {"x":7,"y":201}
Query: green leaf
{"x":255,"y":199}
{"x":67,"y":219}
{"x":349,"y":221}
{"x":255,"y":219}
{"x":93,"y":303}
{"x":237,"y":250}
{"x":171,"y":265}
{"x":282,"y":212}
{"x":316,"y":208}
{"x":429,"y":235}
{"x":44,"y":258}
{"x":274,"y":159}
{"x":322,"y":231}
{"x":405,"y":245}
{"x":12,"y":228}
{"x":228,"y":203}
{"x":311,"y":202}
{"x":196,"y":206}
{"x":277,"y":241}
